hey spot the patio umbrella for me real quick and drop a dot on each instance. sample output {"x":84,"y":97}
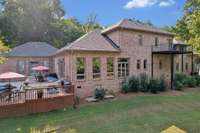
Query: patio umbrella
{"x":40,"y":68}
{"x":11,"y":75}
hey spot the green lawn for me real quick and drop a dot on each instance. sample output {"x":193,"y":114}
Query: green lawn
{"x":141,"y":114}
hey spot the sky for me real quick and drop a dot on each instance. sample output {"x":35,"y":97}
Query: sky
{"x":159,"y":12}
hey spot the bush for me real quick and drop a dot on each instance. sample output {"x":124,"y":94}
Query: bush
{"x":144,"y":82}
{"x":162,"y":84}
{"x":178,"y":86}
{"x":190,"y":81}
{"x":133,"y":84}
{"x":180,"y":77}
{"x":153,"y":85}
{"x":125,"y":88}
{"x":100,"y":93}
{"x":197,"y":78}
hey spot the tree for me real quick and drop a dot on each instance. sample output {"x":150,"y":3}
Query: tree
{"x":187,"y":28}
{"x":3,"y":50}
{"x":91,"y":24}
{"x":28,"y":20}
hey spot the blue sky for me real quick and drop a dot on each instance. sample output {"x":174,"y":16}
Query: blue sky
{"x":159,"y":12}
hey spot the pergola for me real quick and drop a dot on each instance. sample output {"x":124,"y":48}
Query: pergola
{"x":172,"y":50}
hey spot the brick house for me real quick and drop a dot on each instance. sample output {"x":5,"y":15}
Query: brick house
{"x":24,"y":57}
{"x":105,"y":58}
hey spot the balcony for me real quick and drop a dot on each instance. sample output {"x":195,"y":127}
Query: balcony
{"x":172,"y":49}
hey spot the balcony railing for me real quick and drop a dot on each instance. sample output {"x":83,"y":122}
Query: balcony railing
{"x":172,"y":48}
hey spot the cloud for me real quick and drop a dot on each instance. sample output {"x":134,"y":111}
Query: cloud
{"x":148,"y":3}
{"x":167,"y":3}
{"x":140,"y":3}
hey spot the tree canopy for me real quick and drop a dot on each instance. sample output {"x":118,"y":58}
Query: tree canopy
{"x":40,"y":20}
{"x":187,"y":28}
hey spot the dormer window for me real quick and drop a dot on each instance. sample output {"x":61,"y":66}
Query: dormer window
{"x":156,"y":41}
{"x":140,"y":39}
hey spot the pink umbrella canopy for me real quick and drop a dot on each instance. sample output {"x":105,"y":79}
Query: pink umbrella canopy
{"x":11,"y":75}
{"x":40,"y":68}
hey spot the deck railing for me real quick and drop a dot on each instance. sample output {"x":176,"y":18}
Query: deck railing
{"x":171,"y":48}
{"x":9,"y":98}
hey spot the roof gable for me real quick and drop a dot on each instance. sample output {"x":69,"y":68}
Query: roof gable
{"x":33,"y":49}
{"x":128,"y":24}
{"x":93,"y":41}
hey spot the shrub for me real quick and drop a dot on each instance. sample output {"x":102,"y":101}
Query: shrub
{"x":191,"y":81}
{"x":100,"y":93}
{"x":197,"y":78}
{"x":125,"y":88}
{"x":178,"y":86}
{"x":144,"y":82}
{"x":133,"y":84}
{"x":162,"y":84}
{"x":153,"y":85}
{"x":180,"y":77}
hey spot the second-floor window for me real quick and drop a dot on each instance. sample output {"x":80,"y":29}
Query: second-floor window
{"x":80,"y":68}
{"x":156,"y":41}
{"x":110,"y":67}
{"x":138,"y":64}
{"x":145,"y":64}
{"x":140,"y":39}
{"x":96,"y":68}
{"x":123,"y":67}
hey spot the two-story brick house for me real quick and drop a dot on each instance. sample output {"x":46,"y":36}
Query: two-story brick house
{"x":127,"y":48}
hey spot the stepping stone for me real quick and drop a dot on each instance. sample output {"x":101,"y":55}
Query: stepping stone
{"x":109,"y":97}
{"x":91,"y":99}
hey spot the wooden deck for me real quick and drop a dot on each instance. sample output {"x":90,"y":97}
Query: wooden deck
{"x":29,"y":101}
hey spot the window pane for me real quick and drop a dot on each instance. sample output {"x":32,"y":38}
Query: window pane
{"x":21,"y":67}
{"x":96,"y":68}
{"x":80,"y":66}
{"x":123,"y":67}
{"x":156,"y":41}
{"x":110,"y":67}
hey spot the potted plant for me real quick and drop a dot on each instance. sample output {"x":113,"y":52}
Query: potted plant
{"x":40,"y":94}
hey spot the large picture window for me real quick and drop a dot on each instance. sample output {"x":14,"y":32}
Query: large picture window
{"x":96,"y":67}
{"x":80,"y":68}
{"x":110,"y":67}
{"x":123,"y":67}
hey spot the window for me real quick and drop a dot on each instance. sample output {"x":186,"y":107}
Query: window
{"x":80,"y":68}
{"x":96,"y":68}
{"x":110,"y":67}
{"x":170,"y":41}
{"x":140,"y":39}
{"x":61,"y":68}
{"x":145,"y":64}
{"x":177,"y":66}
{"x":186,"y":66}
{"x":160,"y":64}
{"x":156,"y":41}
{"x":21,"y":67}
{"x":138,"y":64}
{"x":123,"y":67}
{"x":46,"y":63}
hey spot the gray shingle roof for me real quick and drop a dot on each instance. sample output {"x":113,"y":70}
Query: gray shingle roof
{"x":33,"y":49}
{"x":128,"y":24}
{"x":93,"y":41}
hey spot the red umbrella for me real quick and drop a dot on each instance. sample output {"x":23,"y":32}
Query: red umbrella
{"x":40,"y":68}
{"x":11,"y":75}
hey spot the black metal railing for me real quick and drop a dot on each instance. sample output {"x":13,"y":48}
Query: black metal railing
{"x":171,"y":48}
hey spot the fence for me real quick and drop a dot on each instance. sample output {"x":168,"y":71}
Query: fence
{"x":35,"y":101}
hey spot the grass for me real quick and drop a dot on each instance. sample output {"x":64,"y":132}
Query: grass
{"x":141,"y":114}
